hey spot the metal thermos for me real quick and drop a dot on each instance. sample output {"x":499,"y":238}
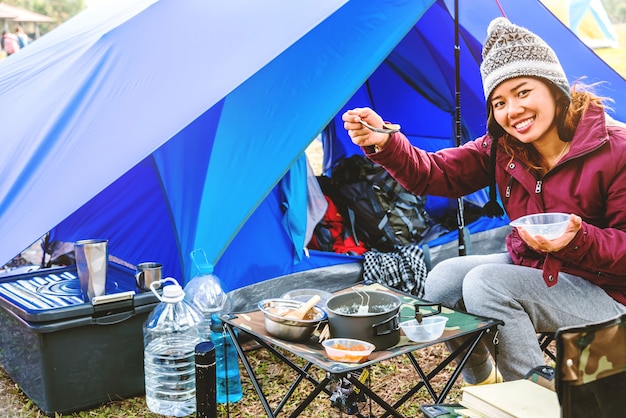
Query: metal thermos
{"x":206,"y":403}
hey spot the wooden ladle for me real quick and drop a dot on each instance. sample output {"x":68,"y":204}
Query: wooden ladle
{"x":303,"y":309}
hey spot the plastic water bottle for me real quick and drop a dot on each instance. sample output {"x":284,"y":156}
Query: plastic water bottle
{"x":204,"y":292}
{"x":227,"y":377}
{"x":170,"y":337}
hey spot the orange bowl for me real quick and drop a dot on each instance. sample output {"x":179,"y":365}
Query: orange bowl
{"x":348,"y":350}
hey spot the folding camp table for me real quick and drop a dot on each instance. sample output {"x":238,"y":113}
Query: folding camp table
{"x":459,"y":324}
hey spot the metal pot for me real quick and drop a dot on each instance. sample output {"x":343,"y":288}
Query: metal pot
{"x":379,"y":325}
{"x":287,"y":328}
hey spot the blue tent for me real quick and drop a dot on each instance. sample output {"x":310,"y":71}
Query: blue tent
{"x":164,"y":142}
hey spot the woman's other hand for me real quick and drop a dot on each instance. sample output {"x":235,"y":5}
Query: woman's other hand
{"x":539,"y":243}
{"x":361,"y":135}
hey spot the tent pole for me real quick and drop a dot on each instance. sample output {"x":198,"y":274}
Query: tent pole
{"x":460,"y":216}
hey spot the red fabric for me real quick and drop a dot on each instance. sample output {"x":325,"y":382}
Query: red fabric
{"x":343,"y":243}
{"x":348,"y":245}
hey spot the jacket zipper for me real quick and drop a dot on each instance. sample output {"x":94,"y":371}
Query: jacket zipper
{"x":507,"y":193}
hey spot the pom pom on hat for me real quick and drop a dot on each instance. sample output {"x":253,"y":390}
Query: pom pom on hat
{"x":512,"y":51}
{"x":495,"y":22}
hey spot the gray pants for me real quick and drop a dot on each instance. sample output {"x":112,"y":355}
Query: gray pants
{"x":491,"y":286}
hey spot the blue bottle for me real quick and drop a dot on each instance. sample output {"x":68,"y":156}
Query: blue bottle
{"x":228,"y":379}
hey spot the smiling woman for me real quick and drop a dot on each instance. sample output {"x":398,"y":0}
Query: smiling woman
{"x":543,"y":155}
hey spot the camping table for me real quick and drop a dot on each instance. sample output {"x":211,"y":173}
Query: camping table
{"x":459,"y":324}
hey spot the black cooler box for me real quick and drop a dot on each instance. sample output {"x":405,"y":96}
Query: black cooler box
{"x":67,"y":355}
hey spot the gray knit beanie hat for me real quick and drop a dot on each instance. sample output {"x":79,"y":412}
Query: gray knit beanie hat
{"x":512,"y":51}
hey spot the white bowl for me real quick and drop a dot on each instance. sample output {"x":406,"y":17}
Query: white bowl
{"x":430,"y":329}
{"x":548,"y":225}
{"x":347,"y":350}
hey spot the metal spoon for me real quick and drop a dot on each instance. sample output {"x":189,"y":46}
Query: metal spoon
{"x":388,"y":128}
{"x":364,"y":308}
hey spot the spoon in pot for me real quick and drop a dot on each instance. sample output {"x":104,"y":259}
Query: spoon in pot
{"x":364,"y":307}
{"x":301,"y":312}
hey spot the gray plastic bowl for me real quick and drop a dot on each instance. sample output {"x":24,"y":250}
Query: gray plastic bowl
{"x":286,"y":328}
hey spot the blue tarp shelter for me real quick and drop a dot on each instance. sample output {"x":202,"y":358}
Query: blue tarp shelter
{"x":167,"y":139}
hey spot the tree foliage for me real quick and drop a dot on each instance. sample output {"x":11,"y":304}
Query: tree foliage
{"x":616,"y":9}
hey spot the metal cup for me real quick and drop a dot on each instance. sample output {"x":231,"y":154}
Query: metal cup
{"x":147,"y":273}
{"x":92,"y":256}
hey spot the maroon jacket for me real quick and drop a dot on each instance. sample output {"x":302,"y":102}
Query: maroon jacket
{"x":590,"y":181}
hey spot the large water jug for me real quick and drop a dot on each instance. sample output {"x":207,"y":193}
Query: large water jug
{"x":170,"y":337}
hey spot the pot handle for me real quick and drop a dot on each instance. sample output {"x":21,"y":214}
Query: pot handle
{"x":390,"y":324}
{"x":419,"y":315}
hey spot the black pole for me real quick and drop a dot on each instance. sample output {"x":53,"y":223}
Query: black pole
{"x":460,"y":216}
{"x":206,"y":403}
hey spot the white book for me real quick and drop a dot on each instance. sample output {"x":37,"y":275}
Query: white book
{"x":513,"y":399}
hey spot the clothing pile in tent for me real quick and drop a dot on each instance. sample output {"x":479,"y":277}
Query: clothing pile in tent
{"x":370,"y":214}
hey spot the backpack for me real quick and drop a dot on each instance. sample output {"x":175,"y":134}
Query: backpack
{"x":381,"y":212}
{"x":331,"y":235}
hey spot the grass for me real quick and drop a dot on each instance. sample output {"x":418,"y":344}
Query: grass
{"x":386,"y":379}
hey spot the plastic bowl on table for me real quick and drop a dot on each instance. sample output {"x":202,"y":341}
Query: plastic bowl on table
{"x":548,"y":225}
{"x":348,"y":350}
{"x":430,"y":329}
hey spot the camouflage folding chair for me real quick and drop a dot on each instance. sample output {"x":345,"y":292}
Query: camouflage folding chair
{"x":591,"y":369}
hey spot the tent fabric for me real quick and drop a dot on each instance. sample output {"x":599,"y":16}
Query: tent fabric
{"x":104,"y":90}
{"x":111,"y":86}
{"x":167,"y":144}
{"x":301,"y":210}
